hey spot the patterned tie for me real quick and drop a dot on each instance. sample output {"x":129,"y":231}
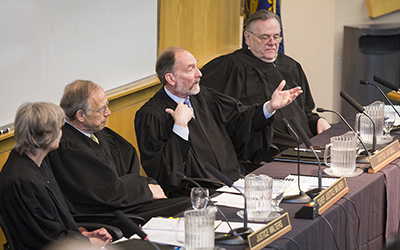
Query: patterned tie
{"x":94,"y":138}
{"x":189,"y":104}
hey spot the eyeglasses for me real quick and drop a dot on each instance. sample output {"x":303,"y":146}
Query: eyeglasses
{"x":268,"y":38}
{"x":102,"y":110}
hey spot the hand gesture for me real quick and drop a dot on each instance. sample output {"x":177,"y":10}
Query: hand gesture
{"x":182,"y":114}
{"x":281,"y":98}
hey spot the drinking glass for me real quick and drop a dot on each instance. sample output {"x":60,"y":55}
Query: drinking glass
{"x":199,"y":198}
{"x":389,"y":119}
{"x":278,"y":188}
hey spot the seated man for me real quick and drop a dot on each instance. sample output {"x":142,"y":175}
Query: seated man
{"x":252,"y":74}
{"x":97,"y":169}
{"x":32,"y":204}
{"x":215,"y":128}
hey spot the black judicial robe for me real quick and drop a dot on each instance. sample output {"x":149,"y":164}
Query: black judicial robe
{"x":222,"y":132}
{"x":99,"y":178}
{"x":251,"y":80}
{"x":33,"y":205}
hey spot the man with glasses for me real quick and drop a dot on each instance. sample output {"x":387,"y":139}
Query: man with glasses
{"x":252,"y":74}
{"x":98,"y":170}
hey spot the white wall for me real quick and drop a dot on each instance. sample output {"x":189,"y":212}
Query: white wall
{"x":313,"y":32}
{"x":46,"y":44}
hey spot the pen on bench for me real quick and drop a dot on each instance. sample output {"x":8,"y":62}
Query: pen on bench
{"x":2,"y":131}
{"x":306,"y":150}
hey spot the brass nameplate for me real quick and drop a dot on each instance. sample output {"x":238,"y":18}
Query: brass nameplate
{"x":332,"y":194}
{"x":270,"y":232}
{"x":384,"y":157}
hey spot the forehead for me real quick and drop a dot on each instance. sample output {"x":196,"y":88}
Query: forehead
{"x":184,"y":59}
{"x":98,"y":98}
{"x":269,"y":26}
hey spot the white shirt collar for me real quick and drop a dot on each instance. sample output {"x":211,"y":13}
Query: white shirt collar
{"x":87,"y":134}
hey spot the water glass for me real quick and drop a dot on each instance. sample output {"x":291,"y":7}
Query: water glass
{"x":199,"y":229}
{"x":199,"y":197}
{"x":278,"y":189}
{"x":389,"y":118}
{"x":258,"y":191}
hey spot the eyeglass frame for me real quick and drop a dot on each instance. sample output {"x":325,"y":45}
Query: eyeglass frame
{"x":102,"y":110}
{"x":268,"y":38}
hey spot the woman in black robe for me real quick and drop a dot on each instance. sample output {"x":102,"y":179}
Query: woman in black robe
{"x":31,"y":202}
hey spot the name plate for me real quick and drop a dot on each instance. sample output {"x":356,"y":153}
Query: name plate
{"x":270,"y":232}
{"x":384,"y":157}
{"x":332,"y":194}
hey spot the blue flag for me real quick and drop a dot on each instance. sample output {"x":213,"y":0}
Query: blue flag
{"x":251,"y":6}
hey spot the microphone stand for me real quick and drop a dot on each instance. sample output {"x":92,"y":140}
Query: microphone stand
{"x":314,"y":192}
{"x":300,"y":198}
{"x":234,"y":238}
{"x":321,"y":110}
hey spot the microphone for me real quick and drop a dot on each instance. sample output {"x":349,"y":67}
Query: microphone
{"x":314,"y":192}
{"x":360,"y":109}
{"x":234,"y":238}
{"x":380,"y":90}
{"x":133,"y":226}
{"x":386,"y":83}
{"x":220,"y":176}
{"x":322,"y":110}
{"x":301,"y":198}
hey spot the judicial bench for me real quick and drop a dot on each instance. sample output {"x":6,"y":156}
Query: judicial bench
{"x":364,"y":218}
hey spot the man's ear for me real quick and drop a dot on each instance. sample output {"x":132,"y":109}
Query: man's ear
{"x":80,"y":115}
{"x":247,"y":37}
{"x":170,"y":78}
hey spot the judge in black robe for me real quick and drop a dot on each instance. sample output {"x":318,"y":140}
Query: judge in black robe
{"x":247,"y":78}
{"x":32,"y":204}
{"x":220,"y":129}
{"x":222,"y":132}
{"x":252,"y":74}
{"x":103,"y":177}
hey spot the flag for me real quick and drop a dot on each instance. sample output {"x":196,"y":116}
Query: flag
{"x":251,"y":6}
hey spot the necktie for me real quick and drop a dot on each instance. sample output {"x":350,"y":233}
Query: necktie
{"x":189,"y":104}
{"x":94,"y":138}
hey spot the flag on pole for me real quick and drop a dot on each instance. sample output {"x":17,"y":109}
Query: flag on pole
{"x":251,"y":6}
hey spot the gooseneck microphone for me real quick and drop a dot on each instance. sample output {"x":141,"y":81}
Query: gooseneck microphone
{"x":134,"y":227}
{"x":361,"y":109}
{"x":220,"y":176}
{"x":386,"y":83}
{"x":234,"y":238}
{"x":314,"y":192}
{"x":380,"y":90}
{"x":300,"y":198}
{"x":322,"y":110}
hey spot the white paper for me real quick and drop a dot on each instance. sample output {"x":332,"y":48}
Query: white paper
{"x":229,"y":200}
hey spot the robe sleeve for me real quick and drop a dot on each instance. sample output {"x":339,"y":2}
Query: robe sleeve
{"x":250,"y":132}
{"x":163,"y":153}
{"x":28,"y":205}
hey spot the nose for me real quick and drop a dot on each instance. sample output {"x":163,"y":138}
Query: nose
{"x":108,"y":112}
{"x":199,"y":74}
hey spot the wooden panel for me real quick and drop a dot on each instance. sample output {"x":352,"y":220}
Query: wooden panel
{"x":381,"y":7}
{"x":203,"y":27}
